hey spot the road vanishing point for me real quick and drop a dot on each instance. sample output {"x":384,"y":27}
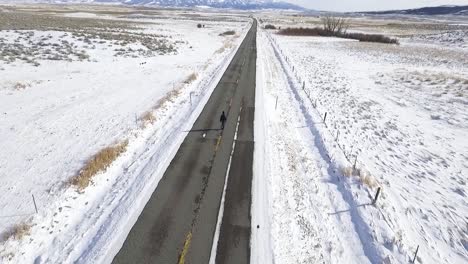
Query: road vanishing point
{"x":179,"y":222}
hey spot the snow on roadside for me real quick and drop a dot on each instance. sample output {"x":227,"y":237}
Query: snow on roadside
{"x":402,"y":112}
{"x":91,"y":226}
{"x":306,"y":211}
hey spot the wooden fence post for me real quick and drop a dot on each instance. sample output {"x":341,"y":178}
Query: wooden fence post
{"x":34,"y":201}
{"x":376,"y":196}
{"x":415,"y":255}
{"x":325,"y":117}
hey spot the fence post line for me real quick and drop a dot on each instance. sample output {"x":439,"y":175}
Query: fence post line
{"x":415,"y":255}
{"x":376,"y":196}
{"x":34,"y":201}
{"x":276,"y":104}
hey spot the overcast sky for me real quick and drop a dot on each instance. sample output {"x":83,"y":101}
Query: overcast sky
{"x":367,"y":5}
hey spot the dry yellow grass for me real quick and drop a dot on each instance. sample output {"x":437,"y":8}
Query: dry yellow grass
{"x":367,"y":179}
{"x":147,"y":118}
{"x":192,"y":77}
{"x":347,"y":171}
{"x":99,"y":163}
{"x":220,"y":50}
{"x":169,"y":97}
{"x":364,"y":176}
{"x":227,"y":45}
{"x":18,"y":231}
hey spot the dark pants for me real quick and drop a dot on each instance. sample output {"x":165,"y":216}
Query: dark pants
{"x":222,"y":124}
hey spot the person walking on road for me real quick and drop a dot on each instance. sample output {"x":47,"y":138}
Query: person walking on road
{"x":222,"y":119}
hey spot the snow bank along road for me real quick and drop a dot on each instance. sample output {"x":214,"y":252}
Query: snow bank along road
{"x":315,"y":211}
{"x":90,"y":226}
{"x":179,"y":222}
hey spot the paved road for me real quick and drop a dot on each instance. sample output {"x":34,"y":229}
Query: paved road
{"x":178,"y":223}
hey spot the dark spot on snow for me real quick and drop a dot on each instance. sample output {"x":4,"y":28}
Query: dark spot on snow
{"x":38,"y":260}
{"x":465,"y":244}
{"x":460,"y":192}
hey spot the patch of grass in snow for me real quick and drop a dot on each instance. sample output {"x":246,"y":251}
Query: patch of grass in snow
{"x":98,"y":163}
{"x":17,"y":232}
{"x":33,"y":20}
{"x":27,"y":41}
{"x":147,"y":118}
{"x":363,"y":175}
{"x":347,"y":171}
{"x":191,"y":78}
{"x":20,"y":86}
{"x":7,"y":255}
{"x":226,"y":45}
{"x":169,"y":97}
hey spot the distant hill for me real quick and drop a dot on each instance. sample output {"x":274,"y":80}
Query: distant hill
{"x":233,"y":4}
{"x":428,"y":11}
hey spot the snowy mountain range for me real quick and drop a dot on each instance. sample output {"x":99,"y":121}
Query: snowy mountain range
{"x":436,"y":10}
{"x":234,"y":4}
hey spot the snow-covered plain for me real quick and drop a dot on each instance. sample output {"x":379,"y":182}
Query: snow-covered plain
{"x":77,"y":94}
{"x":399,"y":112}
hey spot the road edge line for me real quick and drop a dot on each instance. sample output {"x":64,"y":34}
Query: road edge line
{"x":214,"y":246}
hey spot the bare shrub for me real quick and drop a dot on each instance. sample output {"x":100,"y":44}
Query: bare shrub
{"x":20,"y":86}
{"x":325,"y":33}
{"x":192,"y":77}
{"x":347,"y":171}
{"x":363,"y":175}
{"x":147,"y":118}
{"x":303,"y":32}
{"x":270,"y":26}
{"x":18,"y":231}
{"x":334,"y":26}
{"x":228,"y":33}
{"x":98,"y":163}
{"x":370,"y":38}
{"x":367,"y":179}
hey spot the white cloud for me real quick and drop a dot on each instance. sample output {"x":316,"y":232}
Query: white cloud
{"x":368,"y":5}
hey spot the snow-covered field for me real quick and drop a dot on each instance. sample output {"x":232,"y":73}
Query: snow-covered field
{"x":399,"y":112}
{"x":72,"y":86}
